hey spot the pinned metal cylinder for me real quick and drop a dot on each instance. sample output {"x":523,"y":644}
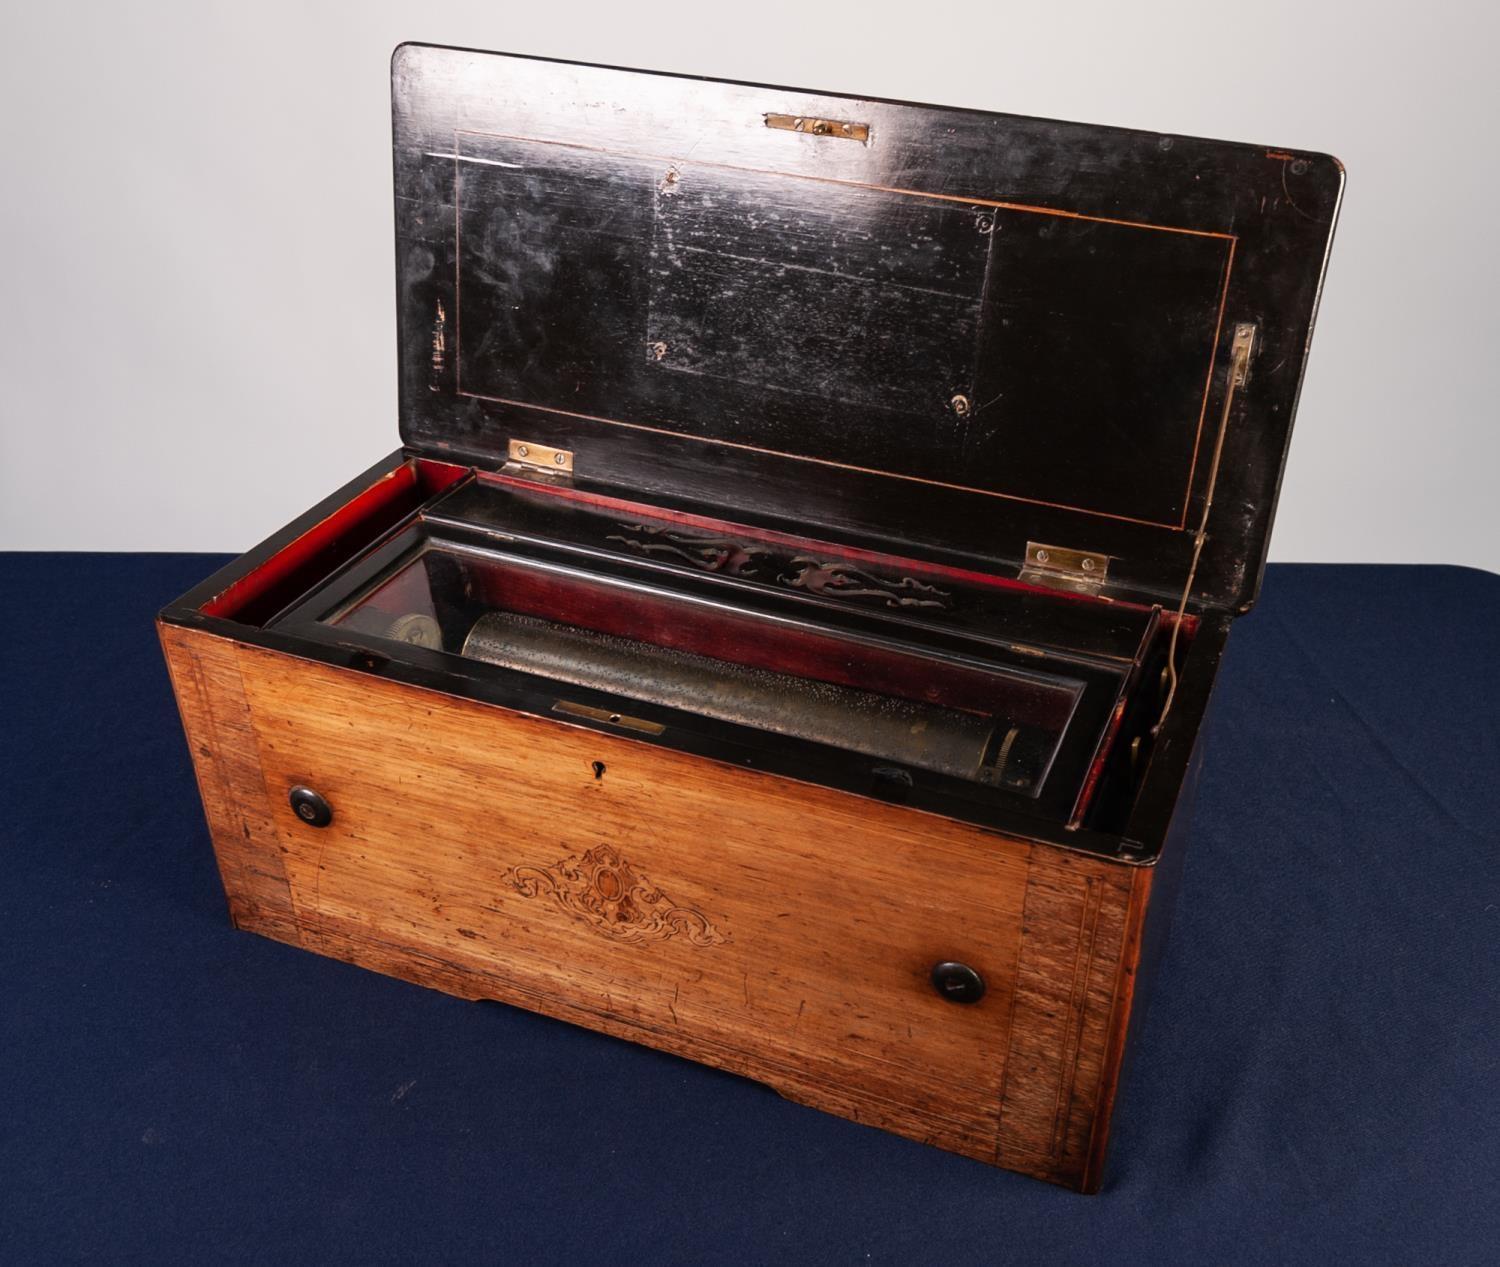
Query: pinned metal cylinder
{"x":905,"y":732}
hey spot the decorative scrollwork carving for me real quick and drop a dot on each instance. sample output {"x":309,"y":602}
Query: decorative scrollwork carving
{"x":843,"y":580}
{"x":604,"y":891}
{"x":711,"y":554}
{"x":733,"y":557}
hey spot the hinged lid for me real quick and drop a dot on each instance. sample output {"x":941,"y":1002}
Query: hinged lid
{"x":960,"y":331}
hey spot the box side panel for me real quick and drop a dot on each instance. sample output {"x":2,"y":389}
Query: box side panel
{"x":210,"y":694}
{"x":1071,"y":1000}
{"x":1128,"y":978}
{"x":1148,"y":927}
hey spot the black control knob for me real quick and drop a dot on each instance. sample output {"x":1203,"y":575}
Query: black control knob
{"x":957,"y":982}
{"x":311,"y":808}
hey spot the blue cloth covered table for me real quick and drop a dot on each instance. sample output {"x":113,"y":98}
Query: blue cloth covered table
{"x":1318,"y":1079}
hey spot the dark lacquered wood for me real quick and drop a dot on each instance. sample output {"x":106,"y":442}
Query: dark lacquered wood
{"x":905,"y":592}
{"x":970,"y":320}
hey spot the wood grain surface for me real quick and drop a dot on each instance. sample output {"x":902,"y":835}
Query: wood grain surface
{"x":761,"y":925}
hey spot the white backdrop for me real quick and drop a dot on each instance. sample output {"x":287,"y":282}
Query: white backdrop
{"x":198,"y":296}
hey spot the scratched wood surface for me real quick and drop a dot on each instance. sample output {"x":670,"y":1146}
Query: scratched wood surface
{"x":760,"y":925}
{"x":1072,"y":994}
{"x":226,"y":758}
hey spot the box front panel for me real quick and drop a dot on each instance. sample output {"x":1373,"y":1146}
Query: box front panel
{"x":790,"y":927}
{"x":765,"y":926}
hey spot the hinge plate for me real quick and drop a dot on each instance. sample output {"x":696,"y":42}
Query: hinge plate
{"x":1239,"y":353}
{"x":530,"y":458}
{"x":1057,"y":567}
{"x":843,"y":129}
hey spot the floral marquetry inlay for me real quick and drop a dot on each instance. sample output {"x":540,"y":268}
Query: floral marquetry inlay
{"x":602,"y":889}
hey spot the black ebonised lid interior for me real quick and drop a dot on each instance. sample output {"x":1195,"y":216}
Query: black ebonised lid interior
{"x":943,"y":328}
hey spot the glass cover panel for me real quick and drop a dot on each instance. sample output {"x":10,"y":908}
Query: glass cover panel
{"x":987,"y":723}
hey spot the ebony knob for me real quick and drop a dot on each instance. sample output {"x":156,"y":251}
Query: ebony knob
{"x":957,"y":982}
{"x":311,"y":808}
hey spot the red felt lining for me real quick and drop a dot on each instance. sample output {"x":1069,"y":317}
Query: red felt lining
{"x":258,"y":595}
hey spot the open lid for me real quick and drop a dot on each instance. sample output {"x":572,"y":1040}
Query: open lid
{"x":942,"y":328}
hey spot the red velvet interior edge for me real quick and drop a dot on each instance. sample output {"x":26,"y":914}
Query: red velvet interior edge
{"x":262,"y":592}
{"x":354,"y":525}
{"x":1096,"y":766}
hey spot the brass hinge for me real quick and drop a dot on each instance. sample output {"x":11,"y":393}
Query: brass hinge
{"x":1239,"y":354}
{"x":1078,"y":571}
{"x":529,"y":458}
{"x":846,"y":130}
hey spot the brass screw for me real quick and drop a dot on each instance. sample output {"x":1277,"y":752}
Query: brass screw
{"x":522,"y":451}
{"x":960,"y":406}
{"x":1042,"y":556}
{"x":560,"y":459}
{"x":1087,"y":565}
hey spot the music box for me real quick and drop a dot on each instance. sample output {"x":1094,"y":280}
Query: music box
{"x":784,"y":635}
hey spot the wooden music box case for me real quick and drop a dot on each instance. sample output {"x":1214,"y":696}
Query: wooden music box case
{"x":784,"y":635}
